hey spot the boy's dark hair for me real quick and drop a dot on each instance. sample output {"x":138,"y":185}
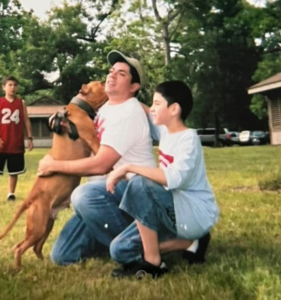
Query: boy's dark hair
{"x":176,"y":91}
{"x":9,"y":78}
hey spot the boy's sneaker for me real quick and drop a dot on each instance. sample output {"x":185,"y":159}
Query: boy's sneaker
{"x":139,"y":270}
{"x":11,"y":197}
{"x":198,"y":257}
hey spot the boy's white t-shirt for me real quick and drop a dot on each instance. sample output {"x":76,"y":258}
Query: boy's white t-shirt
{"x":181,"y":157}
{"x":125,"y":128}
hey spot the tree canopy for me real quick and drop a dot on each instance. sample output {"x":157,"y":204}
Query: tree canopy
{"x":219,"y":48}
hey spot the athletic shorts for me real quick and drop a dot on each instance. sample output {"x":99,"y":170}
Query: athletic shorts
{"x":15,"y":163}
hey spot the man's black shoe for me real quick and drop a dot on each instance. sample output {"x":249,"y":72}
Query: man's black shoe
{"x":198,"y":257}
{"x":139,"y":270}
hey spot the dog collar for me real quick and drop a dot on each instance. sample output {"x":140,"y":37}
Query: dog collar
{"x":84,"y":105}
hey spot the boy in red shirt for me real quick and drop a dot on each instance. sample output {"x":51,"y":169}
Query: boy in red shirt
{"x":13,"y":121}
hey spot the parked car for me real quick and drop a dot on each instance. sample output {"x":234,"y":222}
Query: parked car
{"x":207,"y":137}
{"x":247,"y":137}
{"x":234,"y":135}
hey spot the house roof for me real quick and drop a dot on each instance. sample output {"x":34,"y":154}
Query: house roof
{"x":44,"y":107}
{"x":45,"y":100}
{"x":43,"y":111}
{"x":270,"y":83}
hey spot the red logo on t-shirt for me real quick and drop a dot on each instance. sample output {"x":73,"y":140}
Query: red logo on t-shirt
{"x":165,"y":159}
{"x":99,"y":128}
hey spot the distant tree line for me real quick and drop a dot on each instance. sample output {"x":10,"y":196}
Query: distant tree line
{"x":219,"y":48}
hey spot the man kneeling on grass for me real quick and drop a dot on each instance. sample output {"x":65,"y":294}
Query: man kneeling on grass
{"x":173,"y":206}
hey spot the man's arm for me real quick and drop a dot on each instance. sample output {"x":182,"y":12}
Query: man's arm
{"x":27,"y":125}
{"x":145,"y":108}
{"x":154,"y":129}
{"x":100,"y":164}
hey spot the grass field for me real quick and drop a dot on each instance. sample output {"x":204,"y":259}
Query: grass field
{"x":244,"y":257}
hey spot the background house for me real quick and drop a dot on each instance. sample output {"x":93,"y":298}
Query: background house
{"x":271,"y":89}
{"x":39,"y":112}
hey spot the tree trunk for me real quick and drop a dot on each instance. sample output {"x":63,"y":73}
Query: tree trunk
{"x":167,"y":44}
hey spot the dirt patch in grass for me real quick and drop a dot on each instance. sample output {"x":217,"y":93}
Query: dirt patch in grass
{"x":254,"y":188}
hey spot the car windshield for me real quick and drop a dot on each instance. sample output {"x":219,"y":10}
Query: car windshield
{"x":258,"y":133}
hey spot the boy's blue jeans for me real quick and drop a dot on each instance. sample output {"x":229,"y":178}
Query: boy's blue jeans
{"x":153,"y":206}
{"x":97,"y":220}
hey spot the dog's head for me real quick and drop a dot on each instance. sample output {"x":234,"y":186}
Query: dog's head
{"x":93,"y":93}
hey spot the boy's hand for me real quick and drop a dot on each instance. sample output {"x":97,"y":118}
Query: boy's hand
{"x":44,"y":168}
{"x":114,"y":177}
{"x":29,"y":145}
{"x":1,"y":143}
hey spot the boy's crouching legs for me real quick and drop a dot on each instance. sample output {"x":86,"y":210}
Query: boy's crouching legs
{"x":127,"y":246}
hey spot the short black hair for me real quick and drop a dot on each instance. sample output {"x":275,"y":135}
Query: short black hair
{"x":9,"y":78}
{"x":176,"y":91}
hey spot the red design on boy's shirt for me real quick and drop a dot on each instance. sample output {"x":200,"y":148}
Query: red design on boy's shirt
{"x":165,"y":159}
{"x":99,"y":129}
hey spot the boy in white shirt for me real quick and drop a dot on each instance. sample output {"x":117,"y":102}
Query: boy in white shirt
{"x":173,"y":205}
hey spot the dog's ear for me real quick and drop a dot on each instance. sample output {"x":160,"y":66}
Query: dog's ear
{"x":85,"y":89}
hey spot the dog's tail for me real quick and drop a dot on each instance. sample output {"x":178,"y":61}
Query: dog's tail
{"x":19,"y":212}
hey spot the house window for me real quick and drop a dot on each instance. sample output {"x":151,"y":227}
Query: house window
{"x":45,"y":131}
{"x":276,"y":114}
{"x":39,"y":128}
{"x":35,"y":126}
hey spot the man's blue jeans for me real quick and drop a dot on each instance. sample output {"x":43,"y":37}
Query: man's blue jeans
{"x":97,"y":220}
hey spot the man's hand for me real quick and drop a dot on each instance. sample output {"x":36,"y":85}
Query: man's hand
{"x":44,"y":168}
{"x":1,"y":143}
{"x":114,"y":177}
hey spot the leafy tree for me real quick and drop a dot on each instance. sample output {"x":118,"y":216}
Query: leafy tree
{"x":133,"y":33}
{"x":77,"y":55}
{"x":63,"y":49}
{"x":214,"y":46}
{"x":10,"y":26}
{"x":268,"y":34}
{"x":217,"y":57}
{"x":210,"y":45}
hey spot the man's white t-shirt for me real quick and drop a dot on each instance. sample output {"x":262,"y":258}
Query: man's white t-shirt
{"x":181,"y":157}
{"x":125,"y":128}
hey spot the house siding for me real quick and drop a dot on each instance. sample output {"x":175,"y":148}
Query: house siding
{"x":274,"y":113}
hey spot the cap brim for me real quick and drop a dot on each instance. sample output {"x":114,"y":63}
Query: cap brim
{"x":115,"y":56}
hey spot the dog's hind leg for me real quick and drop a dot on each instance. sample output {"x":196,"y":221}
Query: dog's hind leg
{"x":37,"y":218}
{"x":20,"y":249}
{"x":39,"y":245}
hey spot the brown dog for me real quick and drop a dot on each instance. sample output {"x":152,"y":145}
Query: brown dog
{"x":50,"y":194}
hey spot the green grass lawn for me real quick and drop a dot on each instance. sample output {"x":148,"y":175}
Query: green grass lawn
{"x":243,"y":260}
